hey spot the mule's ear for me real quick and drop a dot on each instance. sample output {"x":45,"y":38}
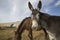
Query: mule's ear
{"x":30,"y":6}
{"x":39,"y":5}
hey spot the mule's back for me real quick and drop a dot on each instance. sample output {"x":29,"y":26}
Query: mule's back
{"x":25,"y":24}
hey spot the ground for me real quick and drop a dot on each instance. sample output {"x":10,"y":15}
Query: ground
{"x":8,"y":34}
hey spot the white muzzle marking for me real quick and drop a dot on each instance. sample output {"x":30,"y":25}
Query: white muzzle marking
{"x":34,"y":25}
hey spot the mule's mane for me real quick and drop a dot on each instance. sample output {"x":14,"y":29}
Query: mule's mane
{"x":22,"y":23}
{"x":41,"y":13}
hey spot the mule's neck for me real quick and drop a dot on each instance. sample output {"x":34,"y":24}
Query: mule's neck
{"x":44,"y":16}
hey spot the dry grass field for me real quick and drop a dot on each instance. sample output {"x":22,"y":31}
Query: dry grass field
{"x":8,"y":34}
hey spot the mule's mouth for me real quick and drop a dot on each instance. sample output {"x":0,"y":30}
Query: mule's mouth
{"x":34,"y":28}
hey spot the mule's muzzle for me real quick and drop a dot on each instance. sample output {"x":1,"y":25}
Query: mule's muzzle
{"x":34,"y":25}
{"x":34,"y":28}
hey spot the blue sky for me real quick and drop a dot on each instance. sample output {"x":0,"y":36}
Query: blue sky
{"x":16,"y":10}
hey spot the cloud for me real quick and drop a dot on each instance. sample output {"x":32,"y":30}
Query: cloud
{"x":5,"y":6}
{"x":57,"y":3}
{"x":4,"y":18}
{"x":16,"y":10}
{"x":47,"y":2}
{"x":46,"y":10}
{"x":13,"y":10}
{"x":19,"y":10}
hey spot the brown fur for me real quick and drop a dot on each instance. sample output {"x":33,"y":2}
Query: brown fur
{"x":26,"y":24}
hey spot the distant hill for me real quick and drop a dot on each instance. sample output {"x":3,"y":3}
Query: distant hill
{"x":9,"y":24}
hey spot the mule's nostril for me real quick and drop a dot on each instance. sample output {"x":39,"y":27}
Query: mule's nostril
{"x":34,"y":27}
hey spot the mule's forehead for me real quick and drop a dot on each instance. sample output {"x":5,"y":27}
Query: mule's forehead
{"x":35,"y":11}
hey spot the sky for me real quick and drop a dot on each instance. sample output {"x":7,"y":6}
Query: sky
{"x":17,"y":10}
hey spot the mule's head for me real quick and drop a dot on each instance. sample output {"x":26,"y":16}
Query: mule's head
{"x":35,"y":14}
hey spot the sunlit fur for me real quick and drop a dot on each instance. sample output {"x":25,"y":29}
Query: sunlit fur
{"x":51,"y":36}
{"x":34,"y":25}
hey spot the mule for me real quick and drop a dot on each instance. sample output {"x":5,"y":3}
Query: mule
{"x":30,"y":23}
{"x":51,"y":24}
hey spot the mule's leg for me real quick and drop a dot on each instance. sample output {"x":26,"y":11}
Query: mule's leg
{"x":17,"y":36}
{"x":30,"y":34}
{"x":19,"y":33}
{"x":46,"y":34}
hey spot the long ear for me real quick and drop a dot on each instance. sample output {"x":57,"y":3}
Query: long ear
{"x":30,"y":6}
{"x":39,"y":5}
